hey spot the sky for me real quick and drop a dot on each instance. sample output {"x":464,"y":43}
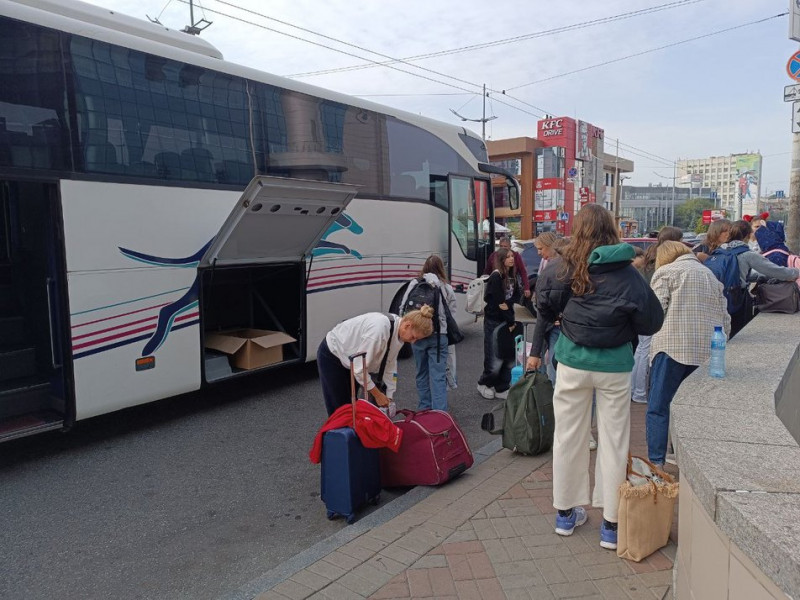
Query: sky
{"x":718,"y":95}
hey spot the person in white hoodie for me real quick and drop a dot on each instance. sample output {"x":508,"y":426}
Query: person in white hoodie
{"x":378,"y":335}
{"x":431,"y":353}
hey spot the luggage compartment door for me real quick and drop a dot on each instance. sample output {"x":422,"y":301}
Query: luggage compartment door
{"x":277,"y":220}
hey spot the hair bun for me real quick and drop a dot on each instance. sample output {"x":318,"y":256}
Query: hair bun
{"x":427,"y":311}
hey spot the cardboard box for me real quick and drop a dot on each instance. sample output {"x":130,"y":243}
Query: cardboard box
{"x":250,"y":348}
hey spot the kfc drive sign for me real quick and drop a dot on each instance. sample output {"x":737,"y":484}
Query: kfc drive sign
{"x":552,"y":127}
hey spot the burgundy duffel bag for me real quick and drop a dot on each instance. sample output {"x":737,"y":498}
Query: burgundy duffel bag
{"x":433,"y":450}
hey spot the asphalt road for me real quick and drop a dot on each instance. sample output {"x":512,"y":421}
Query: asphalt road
{"x":190,"y":497}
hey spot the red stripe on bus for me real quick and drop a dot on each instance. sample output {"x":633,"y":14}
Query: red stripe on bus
{"x":408,"y":273}
{"x":350,"y":265}
{"x":127,"y":333}
{"x":133,"y":312}
{"x":99,"y":331}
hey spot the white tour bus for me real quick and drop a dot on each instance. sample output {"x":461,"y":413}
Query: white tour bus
{"x":152,"y":194}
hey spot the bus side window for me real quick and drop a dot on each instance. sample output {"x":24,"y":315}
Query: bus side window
{"x":462,"y":215}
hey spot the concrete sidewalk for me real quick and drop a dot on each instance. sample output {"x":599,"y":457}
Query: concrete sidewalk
{"x":489,"y":534}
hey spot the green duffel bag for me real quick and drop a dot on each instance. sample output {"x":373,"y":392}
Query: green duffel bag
{"x":528,"y":421}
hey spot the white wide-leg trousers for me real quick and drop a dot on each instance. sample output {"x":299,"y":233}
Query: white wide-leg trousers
{"x":572,"y":404}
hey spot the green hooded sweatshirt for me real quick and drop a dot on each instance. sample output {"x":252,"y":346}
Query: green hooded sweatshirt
{"x":604,"y":360}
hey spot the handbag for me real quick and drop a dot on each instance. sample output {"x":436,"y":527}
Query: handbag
{"x":377,"y":378}
{"x":646,"y":507}
{"x":454,"y":334}
{"x":777,"y":297}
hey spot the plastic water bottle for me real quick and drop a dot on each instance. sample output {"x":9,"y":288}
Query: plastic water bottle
{"x":716,"y":367}
{"x":516,"y":372}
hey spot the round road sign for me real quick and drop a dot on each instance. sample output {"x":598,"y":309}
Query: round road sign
{"x":793,"y":66}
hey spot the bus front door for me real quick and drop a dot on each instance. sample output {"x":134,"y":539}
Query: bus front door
{"x":471,"y":229}
{"x":32,"y":320}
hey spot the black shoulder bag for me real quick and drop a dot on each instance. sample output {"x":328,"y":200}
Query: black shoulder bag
{"x":377,"y":378}
{"x":454,"y":334}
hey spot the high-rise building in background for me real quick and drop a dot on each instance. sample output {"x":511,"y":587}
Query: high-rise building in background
{"x":732,"y":177}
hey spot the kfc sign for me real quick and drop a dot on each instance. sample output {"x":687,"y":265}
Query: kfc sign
{"x":552,"y":127}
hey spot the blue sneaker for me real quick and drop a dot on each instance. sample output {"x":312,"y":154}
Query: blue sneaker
{"x":566,"y":525}
{"x":608,"y":537}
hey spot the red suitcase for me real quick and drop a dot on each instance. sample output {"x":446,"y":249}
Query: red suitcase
{"x":434,"y":450}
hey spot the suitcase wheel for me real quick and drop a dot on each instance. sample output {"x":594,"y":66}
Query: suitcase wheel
{"x":376,"y":500}
{"x":331,"y":515}
{"x":351,"y":518}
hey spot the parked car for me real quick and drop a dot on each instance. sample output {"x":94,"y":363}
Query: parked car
{"x":530,"y":258}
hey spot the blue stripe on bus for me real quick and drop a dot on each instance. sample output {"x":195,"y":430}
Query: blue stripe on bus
{"x":130,"y":341}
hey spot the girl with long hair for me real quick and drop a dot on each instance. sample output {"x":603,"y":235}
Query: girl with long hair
{"x":431,"y":352}
{"x":603,"y":304}
{"x":499,"y":327}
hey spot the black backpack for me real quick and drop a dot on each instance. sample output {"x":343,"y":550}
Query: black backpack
{"x":424,"y":293}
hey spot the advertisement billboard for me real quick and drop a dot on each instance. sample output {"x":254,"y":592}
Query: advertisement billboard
{"x":709,"y":216}
{"x":748,"y":176}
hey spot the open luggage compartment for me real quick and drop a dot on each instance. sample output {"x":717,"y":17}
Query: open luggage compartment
{"x":253,"y":275}
{"x":263,"y":297}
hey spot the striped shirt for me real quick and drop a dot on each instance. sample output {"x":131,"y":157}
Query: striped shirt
{"x":693,"y":304}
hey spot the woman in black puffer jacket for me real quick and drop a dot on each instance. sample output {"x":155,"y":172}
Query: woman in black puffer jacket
{"x":603,"y":303}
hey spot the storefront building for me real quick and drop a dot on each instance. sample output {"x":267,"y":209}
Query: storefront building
{"x":562,"y":169}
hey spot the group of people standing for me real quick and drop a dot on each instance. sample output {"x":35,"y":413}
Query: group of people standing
{"x":612,"y":327}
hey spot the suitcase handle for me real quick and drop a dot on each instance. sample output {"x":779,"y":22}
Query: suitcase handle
{"x":353,"y":358}
{"x":409,"y":414}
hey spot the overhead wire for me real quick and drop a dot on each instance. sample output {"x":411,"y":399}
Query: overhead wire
{"x":673,"y":44}
{"x":519,"y":38}
{"x":631,"y":149}
{"x":284,"y":33}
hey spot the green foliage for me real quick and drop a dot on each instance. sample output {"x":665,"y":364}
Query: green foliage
{"x":687,"y":214}
{"x":699,"y":226}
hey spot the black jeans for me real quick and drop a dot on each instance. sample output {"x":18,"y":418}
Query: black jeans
{"x":498,"y":354}
{"x":742,"y":316}
{"x":335,"y":379}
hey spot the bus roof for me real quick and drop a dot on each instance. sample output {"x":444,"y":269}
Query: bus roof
{"x":109,"y":19}
{"x":80,"y":18}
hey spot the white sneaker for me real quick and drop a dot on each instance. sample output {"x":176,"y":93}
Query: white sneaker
{"x":486,"y":391}
{"x":501,"y":395}
{"x":592,"y":442}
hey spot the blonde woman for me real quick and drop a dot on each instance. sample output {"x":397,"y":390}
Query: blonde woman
{"x":693,"y":304}
{"x":379,"y":335}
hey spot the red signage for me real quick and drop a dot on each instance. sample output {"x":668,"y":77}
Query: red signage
{"x":545,"y":215}
{"x":709,"y":216}
{"x":550,"y":184}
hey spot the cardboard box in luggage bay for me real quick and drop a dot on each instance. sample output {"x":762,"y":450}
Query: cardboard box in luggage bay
{"x":250,"y":348}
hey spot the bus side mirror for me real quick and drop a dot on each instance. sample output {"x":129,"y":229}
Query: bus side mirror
{"x":513,"y":194}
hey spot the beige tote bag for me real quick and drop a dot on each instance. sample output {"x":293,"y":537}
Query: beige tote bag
{"x":646,"y":504}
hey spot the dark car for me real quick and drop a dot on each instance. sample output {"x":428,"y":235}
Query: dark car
{"x":530,"y":258}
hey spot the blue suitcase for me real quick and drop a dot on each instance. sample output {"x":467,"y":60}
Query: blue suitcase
{"x":351,"y":474}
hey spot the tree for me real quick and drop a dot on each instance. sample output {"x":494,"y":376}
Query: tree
{"x":686,"y":214}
